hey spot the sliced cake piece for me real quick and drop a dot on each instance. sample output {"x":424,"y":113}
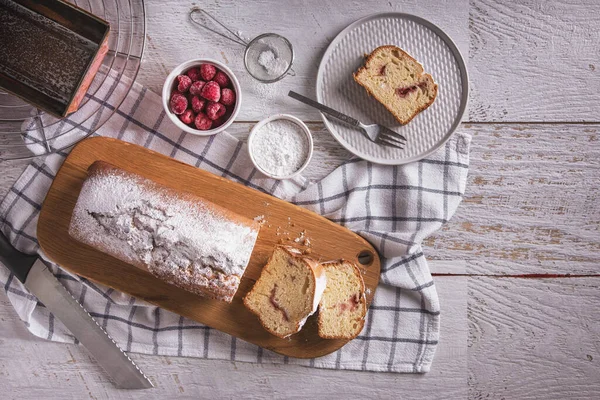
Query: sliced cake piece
{"x":343,"y":305}
{"x":397,"y":81}
{"x":288,"y":291}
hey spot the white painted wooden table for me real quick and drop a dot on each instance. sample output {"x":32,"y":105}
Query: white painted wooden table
{"x":521,"y":313}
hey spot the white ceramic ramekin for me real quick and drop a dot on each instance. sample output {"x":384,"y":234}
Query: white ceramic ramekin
{"x":278,"y":117}
{"x":170,"y":83}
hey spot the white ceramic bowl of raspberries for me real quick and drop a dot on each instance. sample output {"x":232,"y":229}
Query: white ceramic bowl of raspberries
{"x":202,"y":96}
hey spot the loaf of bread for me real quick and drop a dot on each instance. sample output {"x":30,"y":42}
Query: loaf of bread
{"x":176,"y":236}
{"x":288,"y":291}
{"x":397,"y":81}
{"x":343,"y":305}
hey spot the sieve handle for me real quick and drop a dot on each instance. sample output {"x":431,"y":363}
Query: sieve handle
{"x":236,"y":38}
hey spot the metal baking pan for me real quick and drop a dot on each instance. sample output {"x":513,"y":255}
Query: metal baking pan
{"x":50,"y":52}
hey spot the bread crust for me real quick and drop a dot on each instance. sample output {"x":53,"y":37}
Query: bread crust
{"x":102,"y":167}
{"x":227,"y":284}
{"x":317,"y":271}
{"x":369,"y":59}
{"x":363,"y":301}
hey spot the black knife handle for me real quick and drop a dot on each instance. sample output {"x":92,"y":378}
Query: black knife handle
{"x":19,"y":263}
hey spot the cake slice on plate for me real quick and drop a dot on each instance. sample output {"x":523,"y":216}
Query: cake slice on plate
{"x":343,"y":305}
{"x":397,"y":81}
{"x":288,"y":291}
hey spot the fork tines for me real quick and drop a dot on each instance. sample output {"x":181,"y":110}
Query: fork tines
{"x":391,"y":138}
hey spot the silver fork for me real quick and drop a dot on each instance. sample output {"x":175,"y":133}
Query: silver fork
{"x":375,"y":132}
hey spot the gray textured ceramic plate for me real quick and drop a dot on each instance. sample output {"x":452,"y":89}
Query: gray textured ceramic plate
{"x":431,"y":47}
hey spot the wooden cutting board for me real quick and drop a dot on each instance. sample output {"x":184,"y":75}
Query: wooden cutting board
{"x":329,"y":241}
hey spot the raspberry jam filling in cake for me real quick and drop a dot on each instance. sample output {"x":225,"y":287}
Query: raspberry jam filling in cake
{"x":406,"y":90}
{"x":275,"y":304}
{"x":351,"y":304}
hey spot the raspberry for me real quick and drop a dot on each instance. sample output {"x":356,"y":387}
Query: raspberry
{"x":211,"y":91}
{"x":184,"y":83}
{"x":215,"y":110}
{"x":202,"y":122}
{"x":194,"y":74}
{"x":222,"y":79}
{"x":220,"y":121}
{"x":227,"y":97}
{"x":197,"y":104}
{"x":196,"y":87}
{"x":178,"y":103}
{"x":207,"y":71}
{"x":187,"y":117}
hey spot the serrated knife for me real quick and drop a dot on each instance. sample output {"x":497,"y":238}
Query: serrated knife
{"x":43,"y":284}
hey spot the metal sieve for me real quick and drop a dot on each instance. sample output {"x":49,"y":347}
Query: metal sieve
{"x":267,"y":58}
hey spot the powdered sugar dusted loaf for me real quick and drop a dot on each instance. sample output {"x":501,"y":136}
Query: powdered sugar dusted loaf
{"x":178,"y":237}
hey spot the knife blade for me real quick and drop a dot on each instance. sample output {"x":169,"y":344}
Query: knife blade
{"x":36,"y":277}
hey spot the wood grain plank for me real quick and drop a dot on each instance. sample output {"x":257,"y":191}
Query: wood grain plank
{"x":534,"y":339}
{"x":531,"y":202}
{"x":9,"y":172}
{"x":515,"y":350}
{"x":540,"y":181}
{"x":543,"y":66}
{"x":328,"y":154}
{"x":310,"y":25}
{"x":534,"y":60}
{"x":32,"y":368}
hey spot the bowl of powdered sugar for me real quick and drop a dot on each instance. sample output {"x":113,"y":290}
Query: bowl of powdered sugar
{"x":280,"y":146}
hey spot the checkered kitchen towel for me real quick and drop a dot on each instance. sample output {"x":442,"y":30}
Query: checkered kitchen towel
{"x":394,"y":208}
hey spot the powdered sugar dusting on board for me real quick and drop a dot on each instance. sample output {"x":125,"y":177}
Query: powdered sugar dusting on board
{"x":186,"y":243}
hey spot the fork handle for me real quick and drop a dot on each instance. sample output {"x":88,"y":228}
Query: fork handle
{"x":324,"y":109}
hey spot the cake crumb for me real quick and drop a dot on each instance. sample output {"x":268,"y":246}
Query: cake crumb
{"x":260,"y":219}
